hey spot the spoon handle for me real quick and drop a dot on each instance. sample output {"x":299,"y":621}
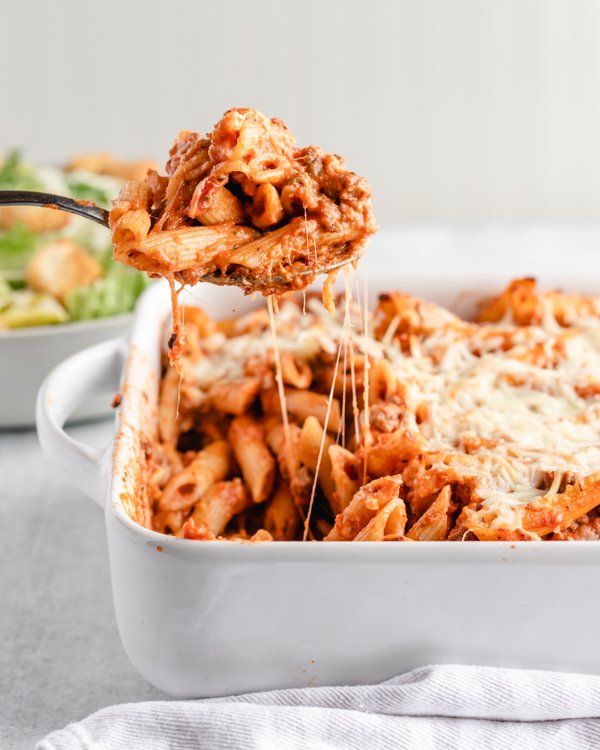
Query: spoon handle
{"x":58,"y":202}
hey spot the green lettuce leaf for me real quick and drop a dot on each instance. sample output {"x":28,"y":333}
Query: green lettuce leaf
{"x":114,"y":294}
{"x":17,"y":245}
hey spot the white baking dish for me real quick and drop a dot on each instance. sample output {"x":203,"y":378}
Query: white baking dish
{"x":211,"y":618}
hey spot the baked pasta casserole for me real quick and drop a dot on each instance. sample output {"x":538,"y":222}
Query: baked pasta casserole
{"x":406,"y":424}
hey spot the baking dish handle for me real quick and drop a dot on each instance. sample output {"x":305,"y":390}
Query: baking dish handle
{"x":68,"y":385}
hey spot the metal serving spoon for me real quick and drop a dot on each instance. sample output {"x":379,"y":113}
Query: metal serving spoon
{"x":47,"y":200}
{"x":90,"y":211}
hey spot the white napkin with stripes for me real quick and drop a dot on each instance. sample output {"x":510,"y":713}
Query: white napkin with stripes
{"x":445,"y":706}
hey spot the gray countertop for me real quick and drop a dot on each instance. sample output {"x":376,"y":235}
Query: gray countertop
{"x":60,"y":655}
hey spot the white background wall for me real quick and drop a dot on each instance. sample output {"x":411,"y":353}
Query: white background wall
{"x":460,"y":110}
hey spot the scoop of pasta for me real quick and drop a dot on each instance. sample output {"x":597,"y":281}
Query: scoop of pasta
{"x":244,"y":204}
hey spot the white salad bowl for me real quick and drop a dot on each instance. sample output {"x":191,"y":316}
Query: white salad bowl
{"x":28,"y":354}
{"x":212,"y":618}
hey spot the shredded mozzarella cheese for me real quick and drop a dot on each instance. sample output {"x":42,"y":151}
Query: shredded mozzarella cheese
{"x":526,"y":399}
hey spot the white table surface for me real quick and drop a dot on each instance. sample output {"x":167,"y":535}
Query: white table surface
{"x":60,"y":654}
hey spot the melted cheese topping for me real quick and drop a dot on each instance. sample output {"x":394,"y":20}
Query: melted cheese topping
{"x":225,"y":358}
{"x":516,"y":410}
{"x":530,"y":418}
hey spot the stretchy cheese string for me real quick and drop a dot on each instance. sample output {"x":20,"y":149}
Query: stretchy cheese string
{"x":341,"y":436}
{"x":355,"y":412}
{"x":347,"y":300}
{"x":358,"y":303}
{"x":324,"y":436}
{"x":179,"y":333}
{"x":367,"y":425}
{"x":280,"y":388}
{"x":179,"y":368}
{"x":307,"y":242}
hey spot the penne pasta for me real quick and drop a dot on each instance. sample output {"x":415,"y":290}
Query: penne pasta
{"x":218,"y":206}
{"x":194,"y":248}
{"x":132,"y":227}
{"x":220,"y":504}
{"x":133,"y":196}
{"x":288,"y":459}
{"x":363,"y":507}
{"x":311,"y":439}
{"x":247,"y":439}
{"x":543,"y":516}
{"x":210,"y":465}
{"x":302,"y":404}
{"x":265,"y":251}
{"x":168,"y":399}
{"x":389,"y":521}
{"x":382,"y":381}
{"x":168,"y":521}
{"x":281,"y":515}
{"x":234,"y":396}
{"x":434,"y":524}
{"x":345,"y":473}
{"x":295,"y":371}
{"x":266,"y":207}
{"x":390,"y":451}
